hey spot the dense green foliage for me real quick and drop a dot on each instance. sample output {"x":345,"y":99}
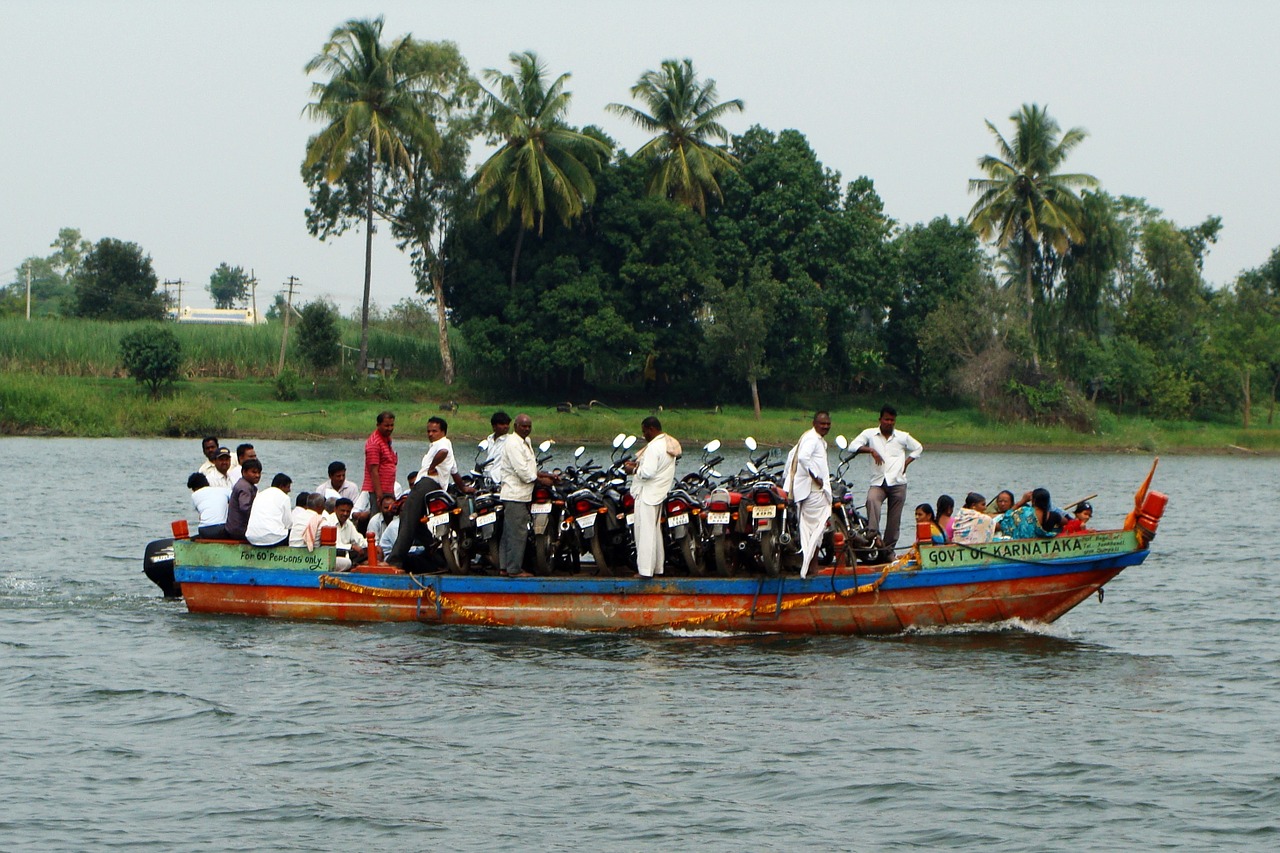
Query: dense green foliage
{"x":115,"y":281}
{"x":319,"y":341}
{"x":228,"y":285}
{"x":152,"y":356}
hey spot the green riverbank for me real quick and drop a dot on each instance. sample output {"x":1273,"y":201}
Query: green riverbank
{"x":247,"y":409}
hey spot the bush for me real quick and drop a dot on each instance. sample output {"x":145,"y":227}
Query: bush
{"x":286,"y":385}
{"x":152,"y":356}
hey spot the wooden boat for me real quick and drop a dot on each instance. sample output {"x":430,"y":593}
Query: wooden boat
{"x":931,"y":586}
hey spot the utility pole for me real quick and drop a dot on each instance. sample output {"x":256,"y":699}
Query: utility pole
{"x":177,"y":305}
{"x":28,"y":292}
{"x":253,"y":284}
{"x":288,"y":309}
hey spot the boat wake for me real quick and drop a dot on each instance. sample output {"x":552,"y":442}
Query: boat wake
{"x":1057,"y":631}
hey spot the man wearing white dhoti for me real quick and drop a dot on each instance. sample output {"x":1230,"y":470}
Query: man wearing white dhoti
{"x":808,"y":482}
{"x":654,"y":470}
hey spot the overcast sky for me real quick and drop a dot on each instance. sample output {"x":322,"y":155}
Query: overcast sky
{"x":179,"y":126}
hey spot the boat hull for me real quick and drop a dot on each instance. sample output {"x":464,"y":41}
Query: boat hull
{"x":946,"y":586}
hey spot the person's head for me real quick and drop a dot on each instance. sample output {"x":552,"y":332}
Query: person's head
{"x":197,"y":481}
{"x":946,"y":505}
{"x":342,"y":509}
{"x":386,"y":424}
{"x":301,"y":500}
{"x":1004,"y":501}
{"x":315,"y":502}
{"x":650,"y":428}
{"x":437,"y":428}
{"x":251,"y":470}
{"x":387,"y":503}
{"x":245,"y":451}
{"x":283,"y":482}
{"x":337,"y":475}
{"x":210,"y":447}
{"x":888,"y":417}
{"x":523,"y":425}
{"x":222,"y":462}
{"x":1084,"y":512}
{"x":412,"y":478}
{"x":924,"y":512}
{"x":822,"y":422}
{"x":1040,"y":499}
{"x":973,"y":500}
{"x":501,"y":423}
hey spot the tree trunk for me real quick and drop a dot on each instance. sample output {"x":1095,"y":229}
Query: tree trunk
{"x":442,"y":324}
{"x":368,"y":268}
{"x":515,"y":256}
{"x":1246,"y":376}
{"x":755,"y":397}
{"x":1027,"y":253}
{"x":1271,"y":404}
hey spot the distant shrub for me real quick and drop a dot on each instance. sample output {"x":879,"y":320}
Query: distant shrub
{"x":152,"y":356}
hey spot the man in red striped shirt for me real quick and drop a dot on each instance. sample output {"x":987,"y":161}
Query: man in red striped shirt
{"x":379,"y":465}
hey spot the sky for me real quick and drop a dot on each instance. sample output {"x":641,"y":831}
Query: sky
{"x":179,"y":126}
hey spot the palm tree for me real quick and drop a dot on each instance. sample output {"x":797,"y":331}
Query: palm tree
{"x":1025,"y":203}
{"x":539,"y":166}
{"x":374,"y":104}
{"x":684,"y":118}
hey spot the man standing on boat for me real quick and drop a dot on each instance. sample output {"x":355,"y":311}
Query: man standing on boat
{"x":808,"y":482}
{"x":893,"y":452}
{"x":518,"y":470}
{"x":654,"y":469}
{"x":379,"y":467}
{"x":501,"y":423}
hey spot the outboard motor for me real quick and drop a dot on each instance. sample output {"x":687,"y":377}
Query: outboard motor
{"x":157,"y":564}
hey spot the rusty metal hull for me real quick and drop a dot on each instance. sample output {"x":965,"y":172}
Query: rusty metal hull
{"x":954,"y":586}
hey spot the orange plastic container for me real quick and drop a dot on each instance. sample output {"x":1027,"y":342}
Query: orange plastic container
{"x":924,"y":531}
{"x":180,"y":529}
{"x":1154,"y":504}
{"x":328,"y":536}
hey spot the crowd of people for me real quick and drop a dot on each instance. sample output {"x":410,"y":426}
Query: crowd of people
{"x":382,"y":511}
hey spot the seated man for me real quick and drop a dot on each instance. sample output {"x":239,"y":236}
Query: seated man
{"x":338,"y":483}
{"x":299,"y":515}
{"x":221,"y":473}
{"x":243,"y":493}
{"x":351,"y":545}
{"x":305,"y":530}
{"x":378,"y":523}
{"x":244,"y":452}
{"x":972,"y":524}
{"x":211,"y":503}
{"x":271,"y":516}
{"x":209,"y":447}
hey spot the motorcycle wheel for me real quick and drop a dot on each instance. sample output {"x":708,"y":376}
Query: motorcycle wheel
{"x":770,"y":553}
{"x":597,"y":551}
{"x":850,"y":558}
{"x":493,"y":552}
{"x":454,"y":557}
{"x":694,"y":560}
{"x":720,"y":550}
{"x":542,"y":551}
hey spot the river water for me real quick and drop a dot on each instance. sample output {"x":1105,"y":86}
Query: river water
{"x":1147,"y":721}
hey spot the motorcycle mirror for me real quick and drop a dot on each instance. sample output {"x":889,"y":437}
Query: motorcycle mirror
{"x":750,"y":442}
{"x":546,"y":445}
{"x":751,"y":466}
{"x":628,"y":442}
{"x":578,"y":451}
{"x":712,"y":446}
{"x":842,"y":442}
{"x":714,"y":473}
{"x":618,"y":439}
{"x":484,"y":444}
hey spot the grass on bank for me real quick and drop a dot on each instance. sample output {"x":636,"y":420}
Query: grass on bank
{"x":247,"y":409}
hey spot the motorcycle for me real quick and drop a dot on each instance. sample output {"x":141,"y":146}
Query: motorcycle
{"x":486,"y":512}
{"x":765,"y":504}
{"x":682,"y":527}
{"x":863,"y":544}
{"x":598,"y":510}
{"x":545,"y":511}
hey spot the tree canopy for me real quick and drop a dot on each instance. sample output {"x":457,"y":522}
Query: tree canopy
{"x":115,"y":281}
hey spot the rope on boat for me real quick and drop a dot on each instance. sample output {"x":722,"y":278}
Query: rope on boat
{"x":421,"y":592}
{"x":476,"y":617}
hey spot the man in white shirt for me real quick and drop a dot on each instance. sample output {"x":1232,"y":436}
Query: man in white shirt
{"x":518,"y":470}
{"x":211,"y":502}
{"x":893,"y":452}
{"x":350,"y":544}
{"x":220,"y":476}
{"x":244,"y":452}
{"x":305,"y":530}
{"x":209,"y":446}
{"x":438,"y":462}
{"x":808,"y":482}
{"x":655,"y":470}
{"x":501,"y":423}
{"x":338,"y":484}
{"x":271,"y":516}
